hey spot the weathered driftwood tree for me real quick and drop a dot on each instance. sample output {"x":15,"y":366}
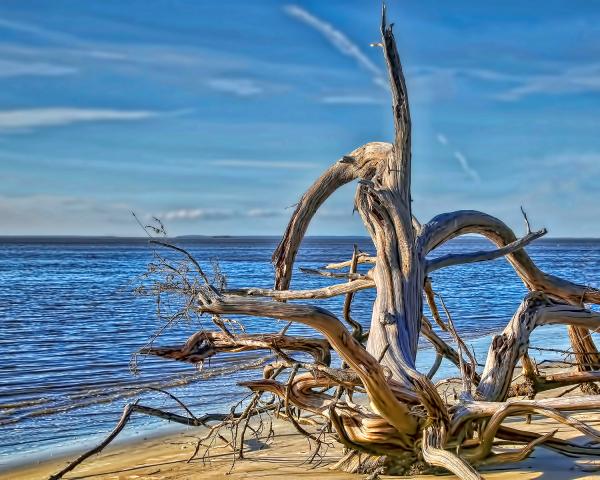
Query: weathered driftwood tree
{"x":405,"y":425}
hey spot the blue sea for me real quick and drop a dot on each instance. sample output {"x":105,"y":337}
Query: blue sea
{"x":70,"y":324}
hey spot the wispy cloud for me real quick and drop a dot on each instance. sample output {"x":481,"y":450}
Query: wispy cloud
{"x":10,"y":68}
{"x":352,"y":100}
{"x":30,"y":29}
{"x":345,"y":46}
{"x":50,"y":117}
{"x":287,"y":165}
{"x":189,"y":214}
{"x":511,"y":86}
{"x":197,"y":214}
{"x":464,"y":164}
{"x":265,"y":213}
{"x":579,"y":79}
{"x":218,"y":70}
{"x":462,"y":159}
{"x":338,"y":39}
{"x":242,"y":87}
{"x":186,"y":214}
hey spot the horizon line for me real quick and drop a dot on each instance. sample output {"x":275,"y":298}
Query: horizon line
{"x":225,"y":236}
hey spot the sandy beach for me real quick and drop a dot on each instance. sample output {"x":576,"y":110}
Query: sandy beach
{"x":167,"y":458}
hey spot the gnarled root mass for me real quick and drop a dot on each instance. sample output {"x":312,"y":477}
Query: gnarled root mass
{"x":404,"y":425}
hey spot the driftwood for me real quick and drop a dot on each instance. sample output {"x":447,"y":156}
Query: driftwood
{"x":406,"y":426}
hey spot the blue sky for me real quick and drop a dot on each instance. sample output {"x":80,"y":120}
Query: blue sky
{"x":216,"y":116}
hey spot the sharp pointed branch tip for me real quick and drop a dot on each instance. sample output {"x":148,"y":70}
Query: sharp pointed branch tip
{"x":376,"y":44}
{"x":526,"y":220}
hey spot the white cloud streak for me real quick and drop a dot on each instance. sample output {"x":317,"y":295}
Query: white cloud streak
{"x":51,"y":117}
{"x":462,"y":159}
{"x":30,"y":29}
{"x":345,"y":46}
{"x":579,"y":79}
{"x":512,"y":86}
{"x":264,"y":213}
{"x":442,"y":139}
{"x":241,"y":87}
{"x":197,"y":214}
{"x":352,"y":100}
{"x":216,"y":214}
{"x":338,"y":39}
{"x":464,"y":164}
{"x":10,"y":68}
{"x":184,"y":214}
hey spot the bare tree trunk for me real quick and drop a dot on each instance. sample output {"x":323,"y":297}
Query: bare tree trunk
{"x":384,"y":204}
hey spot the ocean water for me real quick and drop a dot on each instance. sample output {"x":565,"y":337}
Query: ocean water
{"x":70,"y":324}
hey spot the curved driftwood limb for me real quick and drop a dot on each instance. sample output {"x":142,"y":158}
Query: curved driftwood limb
{"x":558,"y":380}
{"x":450,"y":225}
{"x":484,"y":448}
{"x":558,"y":445}
{"x":370,"y":434}
{"x":286,"y":405}
{"x":370,"y":372}
{"x":430,"y":297}
{"x":325,"y":292}
{"x":335,"y":376}
{"x":434,"y":454}
{"x":505,"y":350}
{"x":472,"y":410}
{"x":362,"y":257}
{"x":204,"y":344}
{"x":536,"y":382}
{"x":307,"y":390}
{"x":517,"y":456}
{"x":482,"y":255}
{"x":351,"y":287}
{"x":129,"y":409}
{"x":358,"y":164}
{"x":447,"y":226}
{"x":440,"y":262}
{"x":360,"y":429}
{"x":357,"y":329}
{"x":436,"y":365}
{"x":322,"y":273}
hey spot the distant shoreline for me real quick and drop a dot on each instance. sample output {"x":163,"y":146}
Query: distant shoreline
{"x":143,"y":239}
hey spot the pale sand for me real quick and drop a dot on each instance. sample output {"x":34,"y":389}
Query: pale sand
{"x":166,"y":458}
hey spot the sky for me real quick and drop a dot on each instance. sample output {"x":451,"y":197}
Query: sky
{"x":216,"y":116}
